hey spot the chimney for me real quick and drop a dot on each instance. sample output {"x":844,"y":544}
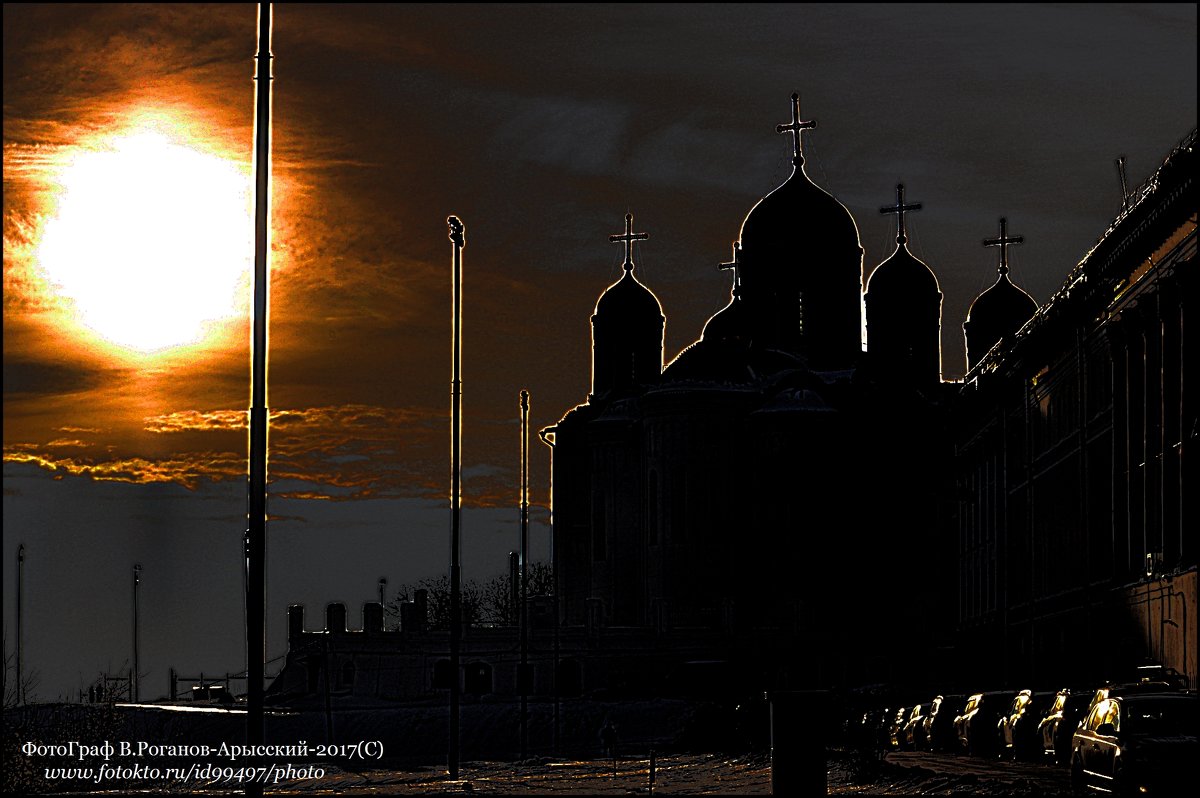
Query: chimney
{"x":335,"y":618}
{"x":372,"y":617}
{"x":295,"y":614}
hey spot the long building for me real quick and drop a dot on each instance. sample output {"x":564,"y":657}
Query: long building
{"x":1078,"y":514}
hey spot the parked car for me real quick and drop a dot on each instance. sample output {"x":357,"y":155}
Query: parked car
{"x":912,"y":737}
{"x":896,"y":728}
{"x":1060,"y":722}
{"x":939,"y":723}
{"x":1138,"y":744}
{"x":1132,"y":688}
{"x":1016,"y":732}
{"x":976,"y":726}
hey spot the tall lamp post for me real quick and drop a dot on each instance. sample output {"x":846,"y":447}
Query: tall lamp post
{"x":458,"y":239}
{"x":524,"y":680}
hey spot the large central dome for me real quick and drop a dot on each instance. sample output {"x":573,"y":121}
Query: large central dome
{"x":802,"y":267}
{"x":794,"y":223}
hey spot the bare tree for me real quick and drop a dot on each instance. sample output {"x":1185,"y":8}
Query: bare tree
{"x":12,"y":695}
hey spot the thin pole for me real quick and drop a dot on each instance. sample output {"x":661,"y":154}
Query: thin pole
{"x":524,"y":674}
{"x":256,"y":532}
{"x":546,"y":437}
{"x":20,"y":592}
{"x":458,"y":238}
{"x":137,"y":579}
{"x":1124,"y":185}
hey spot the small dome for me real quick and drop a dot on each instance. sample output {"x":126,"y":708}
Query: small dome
{"x":1004,"y":306}
{"x":628,"y":299}
{"x":731,"y":323}
{"x":903,"y":275}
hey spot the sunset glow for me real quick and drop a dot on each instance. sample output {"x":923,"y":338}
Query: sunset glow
{"x":151,"y":241}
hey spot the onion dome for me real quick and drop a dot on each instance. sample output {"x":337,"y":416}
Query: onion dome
{"x":1000,"y":310}
{"x":796,"y":220}
{"x":904,"y":310}
{"x":627,"y":328}
{"x":802,"y":266}
{"x":628,"y":298}
{"x":733,"y":323}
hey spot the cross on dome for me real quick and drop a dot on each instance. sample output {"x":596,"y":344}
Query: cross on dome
{"x":629,"y":238}
{"x":899,"y":209}
{"x":1003,"y":241}
{"x":795,"y":128}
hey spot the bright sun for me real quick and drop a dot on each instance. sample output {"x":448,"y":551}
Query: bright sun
{"x":151,"y":242}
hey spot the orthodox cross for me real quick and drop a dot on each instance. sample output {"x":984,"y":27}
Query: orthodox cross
{"x":629,"y":238}
{"x":899,"y":209}
{"x":794,"y":128}
{"x":736,"y":265}
{"x":1003,"y":241}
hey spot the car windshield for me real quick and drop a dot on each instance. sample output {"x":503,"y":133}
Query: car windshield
{"x":1159,"y":717}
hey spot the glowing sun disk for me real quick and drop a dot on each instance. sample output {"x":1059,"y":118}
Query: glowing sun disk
{"x":151,"y":242}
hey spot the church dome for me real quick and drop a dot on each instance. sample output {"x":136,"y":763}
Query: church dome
{"x":796,"y":216}
{"x":627,"y":329}
{"x":731,"y":323}
{"x":902,"y":275}
{"x":1004,"y":306}
{"x":999,"y":311}
{"x":801,"y":268}
{"x":628,"y":299}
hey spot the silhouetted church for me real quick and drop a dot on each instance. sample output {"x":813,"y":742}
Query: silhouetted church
{"x":772,"y":484}
{"x":778,"y":508}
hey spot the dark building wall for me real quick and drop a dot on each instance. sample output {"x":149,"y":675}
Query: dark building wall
{"x":1071,"y":452}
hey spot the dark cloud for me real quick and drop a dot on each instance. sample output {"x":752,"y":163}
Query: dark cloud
{"x":28,"y":379}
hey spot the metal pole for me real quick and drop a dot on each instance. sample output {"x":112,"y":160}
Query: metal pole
{"x":1124,"y":185}
{"x":458,"y":238}
{"x":137,"y":579}
{"x":524,"y":672}
{"x":256,"y":532}
{"x":382,"y":597}
{"x":546,"y":436}
{"x":20,"y":694}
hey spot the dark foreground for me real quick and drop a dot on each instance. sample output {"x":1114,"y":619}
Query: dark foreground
{"x":679,"y":769}
{"x":908,"y":773}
